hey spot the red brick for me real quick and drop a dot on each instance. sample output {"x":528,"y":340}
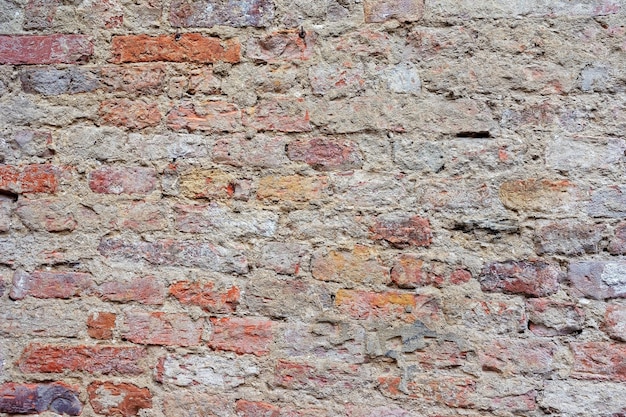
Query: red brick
{"x":187,"y":47}
{"x":325,"y":154}
{"x":234,"y":13}
{"x":246,"y":408}
{"x":283,"y":46}
{"x":52,"y":215}
{"x":117,"y":360}
{"x":50,"y":284}
{"x":281,"y":115}
{"x":34,"y":178}
{"x":533,"y":278}
{"x":510,"y":356}
{"x":39,"y":14}
{"x":599,"y":280}
{"x":602,"y":361}
{"x":617,"y":246}
{"x":205,"y":296}
{"x":210,"y":116}
{"x":145,"y":290}
{"x":122,"y":180}
{"x":293,"y":188}
{"x":139,"y":79}
{"x":402,"y":10}
{"x":261,"y":151}
{"x":554,"y":318}
{"x":242,"y":335}
{"x":388,"y":306}
{"x":56,"y":397}
{"x":118,"y":399}
{"x":129,"y":114}
{"x":538,"y":195}
{"x":166,"y":329}
{"x":100,"y":325}
{"x":615,"y":322}
{"x":360,"y":266}
{"x":44,"y":49}
{"x":456,"y":392}
{"x":402,"y":231}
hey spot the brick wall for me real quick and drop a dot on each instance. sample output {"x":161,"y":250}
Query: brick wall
{"x":364,"y":208}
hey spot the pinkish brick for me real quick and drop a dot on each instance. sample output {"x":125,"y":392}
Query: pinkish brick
{"x":188,"y":47}
{"x":211,"y":116}
{"x":44,"y":49}
{"x":130,"y":114}
{"x":242,"y":335}
{"x":145,"y":290}
{"x":50,"y":284}
{"x":282,"y":46}
{"x":532,"y":278}
{"x":325,"y":154}
{"x":122,"y":180}
{"x":206,"y":296}
{"x":402,"y":231}
{"x":165,"y":329}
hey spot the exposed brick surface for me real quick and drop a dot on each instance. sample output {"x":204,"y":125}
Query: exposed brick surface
{"x":44,"y":49}
{"x":43,"y":284}
{"x":100,"y":325}
{"x":599,"y":361}
{"x":42,"y":178}
{"x":206,"y":296}
{"x":116,"y":360}
{"x":312,"y":208}
{"x":532,"y":278}
{"x":122,"y":399}
{"x":189,"y":47}
{"x":246,"y":335}
{"x":236,"y":13}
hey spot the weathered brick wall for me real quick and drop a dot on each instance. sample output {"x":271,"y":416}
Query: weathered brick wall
{"x":313,"y":208}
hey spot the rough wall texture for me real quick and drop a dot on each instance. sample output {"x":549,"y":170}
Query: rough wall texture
{"x":313,"y":208}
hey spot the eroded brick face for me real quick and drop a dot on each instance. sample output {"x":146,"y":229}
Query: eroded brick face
{"x":312,"y":208}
